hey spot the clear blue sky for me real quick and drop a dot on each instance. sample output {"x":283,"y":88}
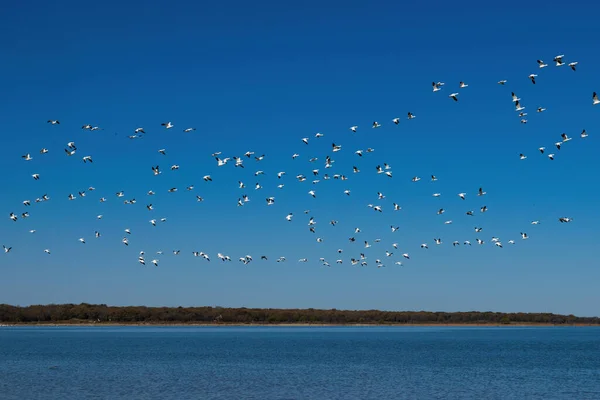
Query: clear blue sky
{"x":260,"y":76}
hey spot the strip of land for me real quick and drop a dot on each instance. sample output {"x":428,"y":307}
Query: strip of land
{"x":297,"y":325}
{"x":104,"y":315}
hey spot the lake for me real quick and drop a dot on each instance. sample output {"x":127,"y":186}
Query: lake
{"x":299,"y":363}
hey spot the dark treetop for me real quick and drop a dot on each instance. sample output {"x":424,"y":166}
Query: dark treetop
{"x":101,"y":313}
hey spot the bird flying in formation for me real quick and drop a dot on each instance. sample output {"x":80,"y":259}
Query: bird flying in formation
{"x":324,"y":163}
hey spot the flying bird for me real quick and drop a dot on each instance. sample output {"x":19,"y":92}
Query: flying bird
{"x":558,"y":60}
{"x":532,"y":77}
{"x":565,"y":137}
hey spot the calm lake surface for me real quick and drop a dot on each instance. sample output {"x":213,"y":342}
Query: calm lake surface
{"x":299,"y":363}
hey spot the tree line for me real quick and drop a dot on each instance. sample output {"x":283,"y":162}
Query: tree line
{"x":101,"y":313}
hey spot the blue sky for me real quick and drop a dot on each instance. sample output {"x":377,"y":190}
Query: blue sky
{"x":262,"y":76}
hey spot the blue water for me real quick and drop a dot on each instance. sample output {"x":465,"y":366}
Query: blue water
{"x":299,"y":363}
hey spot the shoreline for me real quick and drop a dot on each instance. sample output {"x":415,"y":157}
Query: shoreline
{"x":289,"y":325}
{"x":102,"y":314}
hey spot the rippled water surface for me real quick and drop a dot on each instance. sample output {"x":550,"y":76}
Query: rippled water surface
{"x":299,"y":363}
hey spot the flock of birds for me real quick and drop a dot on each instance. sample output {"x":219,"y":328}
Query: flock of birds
{"x":393,"y":253}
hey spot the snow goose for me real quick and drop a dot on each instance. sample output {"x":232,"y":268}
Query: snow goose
{"x":559,"y":60}
{"x":532,"y":77}
{"x":565,"y":137}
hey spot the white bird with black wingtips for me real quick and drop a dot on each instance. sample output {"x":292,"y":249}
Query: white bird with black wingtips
{"x":558,"y":60}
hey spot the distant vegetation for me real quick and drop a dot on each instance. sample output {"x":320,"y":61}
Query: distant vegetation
{"x":101,"y":313}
